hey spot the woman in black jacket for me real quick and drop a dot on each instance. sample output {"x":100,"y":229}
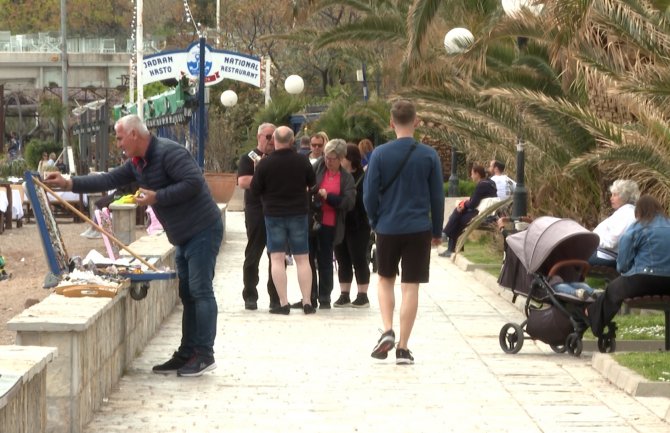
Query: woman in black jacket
{"x":353,"y":251}
{"x":467,"y":210}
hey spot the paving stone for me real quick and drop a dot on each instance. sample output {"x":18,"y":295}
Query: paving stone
{"x":314,"y":373}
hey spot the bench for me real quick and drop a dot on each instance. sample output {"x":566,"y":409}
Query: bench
{"x":654,"y":302}
{"x":490,"y":209}
{"x":648,"y":302}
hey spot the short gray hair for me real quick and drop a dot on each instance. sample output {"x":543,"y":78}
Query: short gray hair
{"x":132,"y":122}
{"x":336,"y":146}
{"x":262,"y":126}
{"x":626,"y":189}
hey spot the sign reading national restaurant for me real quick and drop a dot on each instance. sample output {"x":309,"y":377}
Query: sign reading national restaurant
{"x":218,"y":65}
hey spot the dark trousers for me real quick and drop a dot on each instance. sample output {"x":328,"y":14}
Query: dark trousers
{"x":255,"y":224}
{"x":321,"y":260}
{"x":603,"y":310}
{"x":353,"y":252}
{"x":196,"y":260}
{"x":456,"y":224}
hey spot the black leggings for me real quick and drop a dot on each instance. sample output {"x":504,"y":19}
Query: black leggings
{"x":603,"y":310}
{"x":353,"y":252}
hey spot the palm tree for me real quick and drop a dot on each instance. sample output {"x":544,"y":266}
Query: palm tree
{"x":612,"y":50}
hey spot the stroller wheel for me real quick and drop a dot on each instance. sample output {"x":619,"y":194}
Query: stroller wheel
{"x":574,"y":344}
{"x":558,"y":348}
{"x":511,"y":338}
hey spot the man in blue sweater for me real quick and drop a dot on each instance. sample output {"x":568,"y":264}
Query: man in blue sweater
{"x":173,"y":185}
{"x":404,"y":199}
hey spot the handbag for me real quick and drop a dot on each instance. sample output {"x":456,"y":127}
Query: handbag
{"x":315,"y":213}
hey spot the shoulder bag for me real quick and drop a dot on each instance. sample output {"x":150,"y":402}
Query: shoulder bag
{"x":383,"y":189}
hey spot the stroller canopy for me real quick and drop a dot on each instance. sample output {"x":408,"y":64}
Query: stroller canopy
{"x":554,"y":238}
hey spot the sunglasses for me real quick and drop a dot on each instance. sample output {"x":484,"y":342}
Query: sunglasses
{"x":316,"y":144}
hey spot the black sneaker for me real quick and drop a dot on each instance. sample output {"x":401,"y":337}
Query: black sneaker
{"x":361,"y":301}
{"x":286,"y":309}
{"x":197,"y":365}
{"x":386,"y":342}
{"x":403,"y":357}
{"x":308,"y":309}
{"x":170,"y":366}
{"x":342,"y":301}
{"x":250,"y":305}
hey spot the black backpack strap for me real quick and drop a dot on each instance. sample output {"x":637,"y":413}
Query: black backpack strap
{"x":397,"y":173}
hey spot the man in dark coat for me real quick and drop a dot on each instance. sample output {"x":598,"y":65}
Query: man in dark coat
{"x":173,"y":185}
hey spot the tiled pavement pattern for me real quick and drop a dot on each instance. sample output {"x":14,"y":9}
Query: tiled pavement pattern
{"x":314,"y":373}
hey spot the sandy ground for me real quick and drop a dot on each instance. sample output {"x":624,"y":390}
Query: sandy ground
{"x":26,"y":261}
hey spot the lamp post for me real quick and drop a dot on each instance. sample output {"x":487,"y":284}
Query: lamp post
{"x":513,"y":9}
{"x":456,"y":41}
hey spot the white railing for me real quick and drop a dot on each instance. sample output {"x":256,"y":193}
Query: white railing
{"x":50,"y":42}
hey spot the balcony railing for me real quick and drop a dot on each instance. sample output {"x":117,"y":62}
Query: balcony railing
{"x":49,"y":42}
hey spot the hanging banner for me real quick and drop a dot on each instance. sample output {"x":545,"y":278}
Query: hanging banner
{"x":219,"y":64}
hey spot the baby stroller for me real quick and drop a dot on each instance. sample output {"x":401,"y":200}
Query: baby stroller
{"x":551,"y":250}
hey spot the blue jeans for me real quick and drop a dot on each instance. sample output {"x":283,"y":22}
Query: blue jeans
{"x":289,"y":230}
{"x":196,"y":260}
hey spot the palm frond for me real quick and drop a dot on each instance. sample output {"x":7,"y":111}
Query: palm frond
{"x":368,"y":30}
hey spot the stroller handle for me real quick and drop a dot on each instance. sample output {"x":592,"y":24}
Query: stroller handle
{"x":581,"y":266}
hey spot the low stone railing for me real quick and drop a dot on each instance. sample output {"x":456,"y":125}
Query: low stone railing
{"x":23,"y":379}
{"x":96,"y":339}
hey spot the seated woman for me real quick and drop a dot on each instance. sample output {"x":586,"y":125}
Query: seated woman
{"x":467,"y":209}
{"x":643,"y":261}
{"x":624,"y":195}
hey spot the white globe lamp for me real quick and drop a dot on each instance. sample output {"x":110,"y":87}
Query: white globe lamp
{"x":458,"y":40}
{"x":228,"y":98}
{"x":513,"y":8}
{"x":294,"y":84}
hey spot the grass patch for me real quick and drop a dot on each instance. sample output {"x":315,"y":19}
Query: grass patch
{"x":482,"y":249}
{"x":654,"y":366}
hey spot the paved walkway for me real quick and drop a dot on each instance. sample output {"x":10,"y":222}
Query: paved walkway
{"x":314,"y":373}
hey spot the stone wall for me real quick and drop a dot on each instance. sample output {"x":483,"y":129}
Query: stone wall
{"x":23,"y":406}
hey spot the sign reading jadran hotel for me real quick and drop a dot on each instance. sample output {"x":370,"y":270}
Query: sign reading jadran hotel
{"x":218,"y":65}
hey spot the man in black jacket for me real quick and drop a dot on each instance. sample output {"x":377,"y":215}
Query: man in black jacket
{"x":254,"y":222}
{"x":172,"y":183}
{"x":281,"y":181}
{"x":467,"y":210}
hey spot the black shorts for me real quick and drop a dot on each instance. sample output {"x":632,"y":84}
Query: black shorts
{"x":412,"y":248}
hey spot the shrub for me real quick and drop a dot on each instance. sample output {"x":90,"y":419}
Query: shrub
{"x":16,"y":167}
{"x":36,"y":147}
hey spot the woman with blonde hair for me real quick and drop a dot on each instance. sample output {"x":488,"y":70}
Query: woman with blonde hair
{"x":317,"y":142}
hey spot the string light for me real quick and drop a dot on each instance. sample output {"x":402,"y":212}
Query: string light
{"x":189,"y":18}
{"x":133,"y":56}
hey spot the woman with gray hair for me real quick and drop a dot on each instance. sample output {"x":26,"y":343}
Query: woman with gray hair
{"x":335,"y":196}
{"x":624,"y":195}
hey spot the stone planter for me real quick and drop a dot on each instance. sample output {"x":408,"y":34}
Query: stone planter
{"x":221,"y":185}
